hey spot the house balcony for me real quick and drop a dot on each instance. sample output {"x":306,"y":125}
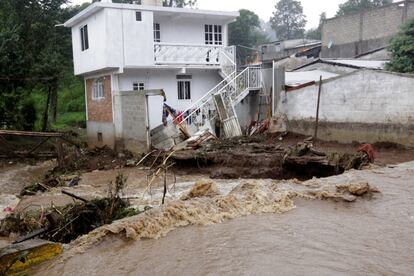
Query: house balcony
{"x":189,"y":54}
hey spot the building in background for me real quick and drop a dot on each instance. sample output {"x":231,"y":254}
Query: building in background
{"x":353,"y":35}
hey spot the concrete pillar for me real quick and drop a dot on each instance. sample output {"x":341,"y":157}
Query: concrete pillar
{"x":278,"y":86}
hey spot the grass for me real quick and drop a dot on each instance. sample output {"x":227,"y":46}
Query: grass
{"x":69,"y":120}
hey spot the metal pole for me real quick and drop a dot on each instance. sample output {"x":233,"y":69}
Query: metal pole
{"x":317,"y":111}
{"x":147,"y":124}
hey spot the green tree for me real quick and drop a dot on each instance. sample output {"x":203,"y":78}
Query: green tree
{"x":354,"y":6}
{"x":316,"y":33}
{"x":288,"y":20}
{"x":246,"y":33}
{"x":34,"y":55}
{"x":402,"y":50}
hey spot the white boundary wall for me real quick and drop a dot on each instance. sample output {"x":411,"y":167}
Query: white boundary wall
{"x":365,"y":97}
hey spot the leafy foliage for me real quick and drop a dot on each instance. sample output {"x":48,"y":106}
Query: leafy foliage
{"x":288,"y":20}
{"x":246,"y":32}
{"x":35,"y":55}
{"x":402,"y":50}
{"x":354,"y":6}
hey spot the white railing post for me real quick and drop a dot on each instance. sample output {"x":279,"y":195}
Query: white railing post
{"x":248,"y":77}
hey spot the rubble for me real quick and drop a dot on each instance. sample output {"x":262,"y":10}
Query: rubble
{"x":63,"y":224}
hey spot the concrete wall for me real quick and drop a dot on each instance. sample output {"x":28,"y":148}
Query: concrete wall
{"x":117,"y":40}
{"x":248,"y":110}
{"x":138,"y":38}
{"x":131,"y":120}
{"x":107,"y":130}
{"x":93,"y":58}
{"x":202,"y":81}
{"x":187,"y":30}
{"x":351,"y":35}
{"x":366,"y":106}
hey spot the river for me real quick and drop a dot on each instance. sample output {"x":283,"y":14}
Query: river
{"x":371,"y":236}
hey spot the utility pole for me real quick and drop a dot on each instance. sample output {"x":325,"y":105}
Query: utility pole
{"x":315,"y":137}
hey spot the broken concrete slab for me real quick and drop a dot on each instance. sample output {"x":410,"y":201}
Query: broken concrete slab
{"x":20,"y":257}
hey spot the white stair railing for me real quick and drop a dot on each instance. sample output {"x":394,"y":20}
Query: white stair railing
{"x":230,"y":91}
{"x":204,"y":103}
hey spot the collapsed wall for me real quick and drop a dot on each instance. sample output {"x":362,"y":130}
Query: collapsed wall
{"x":365,"y":106}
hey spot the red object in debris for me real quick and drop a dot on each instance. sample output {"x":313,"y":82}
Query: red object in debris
{"x":8,"y":210}
{"x":179,"y":117}
{"x":369,"y":150}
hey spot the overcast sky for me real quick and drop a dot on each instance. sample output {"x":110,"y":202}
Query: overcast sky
{"x":265,"y":8}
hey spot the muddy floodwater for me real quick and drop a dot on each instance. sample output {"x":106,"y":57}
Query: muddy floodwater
{"x":371,"y":236}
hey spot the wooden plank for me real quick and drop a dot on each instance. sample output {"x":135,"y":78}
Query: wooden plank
{"x":36,"y":147}
{"x":30,"y":133}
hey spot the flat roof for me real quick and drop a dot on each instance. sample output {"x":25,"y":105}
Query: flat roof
{"x":93,"y":8}
{"x":298,"y":78}
{"x":370,"y":64}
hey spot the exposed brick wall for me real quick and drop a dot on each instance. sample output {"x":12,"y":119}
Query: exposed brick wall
{"x":100,"y":110}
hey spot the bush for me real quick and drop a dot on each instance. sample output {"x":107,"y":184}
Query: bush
{"x":402,"y":50}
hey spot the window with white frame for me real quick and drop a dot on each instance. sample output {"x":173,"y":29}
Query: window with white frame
{"x":136,"y":86}
{"x":84,"y":38}
{"x":184,"y":87}
{"x":157,"y":32}
{"x":213,"y":34}
{"x":98,"y":89}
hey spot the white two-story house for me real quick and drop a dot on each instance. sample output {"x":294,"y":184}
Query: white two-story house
{"x":119,"y":48}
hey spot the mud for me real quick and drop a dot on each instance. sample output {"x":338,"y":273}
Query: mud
{"x":257,"y":158}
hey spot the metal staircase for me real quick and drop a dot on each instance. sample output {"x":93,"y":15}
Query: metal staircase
{"x":219,"y":103}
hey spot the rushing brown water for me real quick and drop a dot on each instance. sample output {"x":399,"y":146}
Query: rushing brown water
{"x":369,"y":236}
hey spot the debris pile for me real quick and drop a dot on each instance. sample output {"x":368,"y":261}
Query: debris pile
{"x":86,"y":160}
{"x":64,"y":224}
{"x":75,"y":162}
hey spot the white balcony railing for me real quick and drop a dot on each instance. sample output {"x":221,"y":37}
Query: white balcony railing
{"x":169,"y":53}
